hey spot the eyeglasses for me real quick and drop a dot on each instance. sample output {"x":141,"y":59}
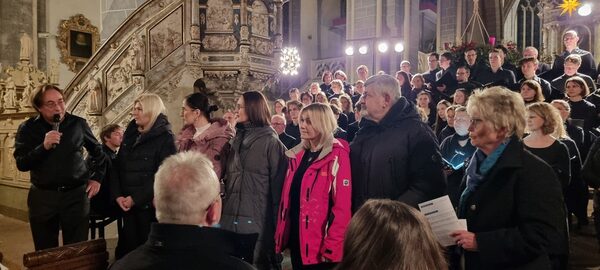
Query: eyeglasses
{"x":474,"y":121}
{"x":52,"y":104}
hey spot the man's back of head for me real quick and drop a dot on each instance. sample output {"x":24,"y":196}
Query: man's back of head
{"x":186,"y":190}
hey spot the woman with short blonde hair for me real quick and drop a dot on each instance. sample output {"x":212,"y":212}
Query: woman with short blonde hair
{"x":147,"y":141}
{"x":317,"y":187}
{"x":513,"y":200}
{"x":153,"y":106}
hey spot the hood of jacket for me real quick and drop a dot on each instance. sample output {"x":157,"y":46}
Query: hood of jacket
{"x":328,"y":147}
{"x":399,"y":112}
{"x":247,"y":133}
{"x":219,"y":128}
{"x":160,"y":126}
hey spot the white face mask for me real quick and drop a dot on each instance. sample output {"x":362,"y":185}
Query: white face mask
{"x":461,"y":129}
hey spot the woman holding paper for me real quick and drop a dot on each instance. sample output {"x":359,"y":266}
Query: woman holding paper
{"x":512,"y":200}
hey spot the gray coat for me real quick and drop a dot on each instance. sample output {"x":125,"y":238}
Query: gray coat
{"x":253,"y":179}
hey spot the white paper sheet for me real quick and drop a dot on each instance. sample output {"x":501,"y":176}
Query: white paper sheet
{"x":442,"y":219}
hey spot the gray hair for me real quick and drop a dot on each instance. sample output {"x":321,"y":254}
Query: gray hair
{"x":185,"y":186}
{"x":385,"y":85}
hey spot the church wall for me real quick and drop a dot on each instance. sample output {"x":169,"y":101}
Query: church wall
{"x":15,"y":16}
{"x":114,"y":12}
{"x":58,"y":10}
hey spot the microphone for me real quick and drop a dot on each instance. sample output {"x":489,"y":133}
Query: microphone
{"x":55,"y":124}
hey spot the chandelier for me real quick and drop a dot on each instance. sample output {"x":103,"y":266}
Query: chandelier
{"x":290,"y":61}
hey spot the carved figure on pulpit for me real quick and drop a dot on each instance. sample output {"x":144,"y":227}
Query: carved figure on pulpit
{"x":10,"y":94}
{"x":27,"y":91}
{"x":53,"y":72}
{"x":26,"y":47}
{"x":94,"y":88}
{"x":136,"y":51}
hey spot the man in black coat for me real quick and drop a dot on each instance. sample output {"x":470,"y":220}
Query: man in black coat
{"x":394,"y":154}
{"x":433,"y":63}
{"x":571,"y":66}
{"x":475,"y":65}
{"x":188,"y":206}
{"x":571,"y":40}
{"x":528,"y":67}
{"x":278,"y":124}
{"x":50,"y":146}
{"x":496,"y":74}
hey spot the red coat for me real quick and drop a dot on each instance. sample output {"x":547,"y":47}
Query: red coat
{"x":213,"y":142}
{"x":325,"y":207}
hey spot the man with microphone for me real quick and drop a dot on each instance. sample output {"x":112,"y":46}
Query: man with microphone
{"x":50,"y":146}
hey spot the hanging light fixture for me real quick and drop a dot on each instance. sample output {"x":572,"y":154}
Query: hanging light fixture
{"x":290,"y":61}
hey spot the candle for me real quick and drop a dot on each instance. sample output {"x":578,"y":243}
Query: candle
{"x":492,"y":40}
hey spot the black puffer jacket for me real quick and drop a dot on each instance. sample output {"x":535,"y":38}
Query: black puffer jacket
{"x":254,"y":178}
{"x":138,"y":160}
{"x":398,"y":159}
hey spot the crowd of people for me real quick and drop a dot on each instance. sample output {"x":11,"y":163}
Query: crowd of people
{"x":335,"y":174}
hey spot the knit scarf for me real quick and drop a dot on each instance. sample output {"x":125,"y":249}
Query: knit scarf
{"x":476,"y":173}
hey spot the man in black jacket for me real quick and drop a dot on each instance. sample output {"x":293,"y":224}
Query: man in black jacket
{"x":571,"y":41}
{"x":528,"y":67}
{"x":50,"y":147}
{"x":278,"y":124}
{"x":394,"y":154}
{"x":188,"y":206}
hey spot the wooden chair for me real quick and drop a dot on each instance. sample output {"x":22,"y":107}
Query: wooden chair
{"x":98,"y":222}
{"x":88,"y":255}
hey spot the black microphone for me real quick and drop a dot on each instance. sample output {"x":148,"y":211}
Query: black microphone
{"x":55,"y":124}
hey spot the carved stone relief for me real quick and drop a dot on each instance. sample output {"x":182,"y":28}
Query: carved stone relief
{"x":137,"y":53}
{"x":95,"y":97}
{"x":195,"y":52}
{"x":260,"y":19}
{"x":219,"y":43}
{"x":261,"y":46}
{"x":166,"y":36}
{"x":118,"y":77}
{"x":219,"y":16}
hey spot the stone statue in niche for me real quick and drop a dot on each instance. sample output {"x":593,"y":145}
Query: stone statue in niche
{"x":10,"y":94}
{"x":202,"y":19}
{"x":26,"y":47}
{"x":53,"y":72}
{"x":136,"y":52}
{"x":9,"y":143}
{"x":236,"y":19}
{"x":219,"y":15}
{"x":260,"y":19}
{"x":244,"y":33}
{"x":27,"y":91}
{"x":94,"y":88}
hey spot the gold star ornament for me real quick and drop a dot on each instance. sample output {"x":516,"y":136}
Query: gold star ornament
{"x":569,"y":6}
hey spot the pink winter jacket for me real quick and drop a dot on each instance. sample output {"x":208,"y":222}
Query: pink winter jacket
{"x":323,"y":225}
{"x":214,"y":142}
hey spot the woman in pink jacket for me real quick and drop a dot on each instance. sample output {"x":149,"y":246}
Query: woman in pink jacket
{"x":203,"y":134}
{"x":315,"y":206}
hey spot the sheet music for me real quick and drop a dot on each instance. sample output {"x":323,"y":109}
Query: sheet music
{"x":442,"y":219}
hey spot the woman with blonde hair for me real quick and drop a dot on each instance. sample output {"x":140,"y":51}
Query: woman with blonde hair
{"x":321,"y":97}
{"x":337,"y":88}
{"x":390,"y":235}
{"x":543,"y":123}
{"x":316,"y":202}
{"x":147,"y":141}
{"x":279,"y":107}
{"x":512,"y":200}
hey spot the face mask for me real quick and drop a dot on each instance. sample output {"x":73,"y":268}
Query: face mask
{"x":461,"y":130}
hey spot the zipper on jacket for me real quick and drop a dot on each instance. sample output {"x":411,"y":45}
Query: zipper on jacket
{"x":306,"y":247}
{"x":315,"y":181}
{"x":307,"y":194}
{"x":306,"y":222}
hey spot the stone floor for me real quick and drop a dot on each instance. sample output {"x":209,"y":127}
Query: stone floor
{"x":15,"y":240}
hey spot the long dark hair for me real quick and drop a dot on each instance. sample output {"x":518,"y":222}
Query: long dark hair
{"x":386,"y":234}
{"x":256,"y":108}
{"x":199,"y":101}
